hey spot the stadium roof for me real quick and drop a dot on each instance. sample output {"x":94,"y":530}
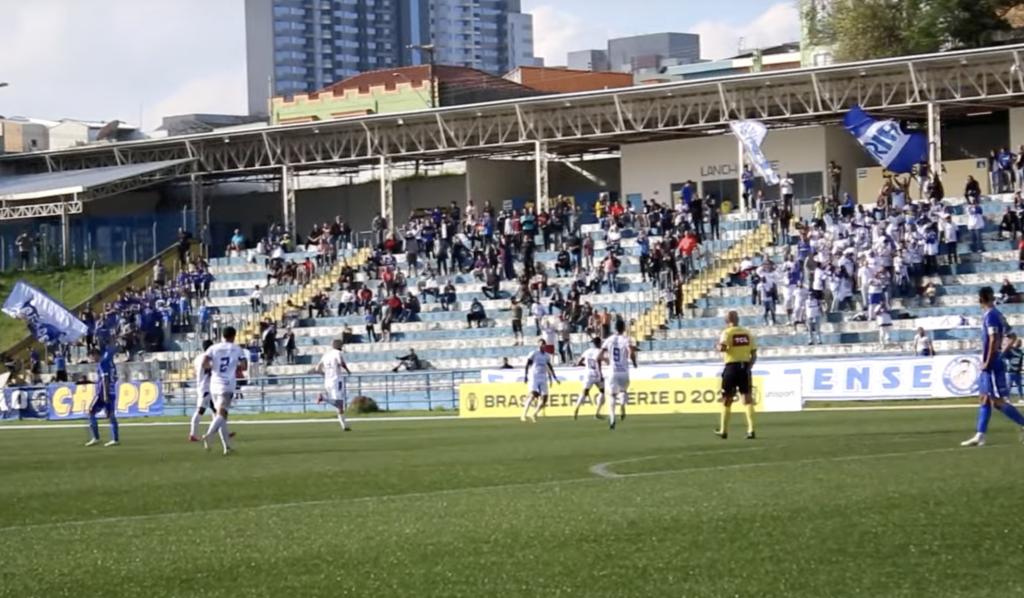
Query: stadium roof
{"x":70,"y":182}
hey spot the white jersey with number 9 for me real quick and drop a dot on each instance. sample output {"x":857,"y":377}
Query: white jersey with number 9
{"x":617,"y":348}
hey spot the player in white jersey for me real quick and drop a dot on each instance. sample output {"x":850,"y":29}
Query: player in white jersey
{"x":204,"y":400}
{"x":223,"y":360}
{"x":331,"y":366}
{"x":619,"y":353}
{"x":594,"y":378}
{"x":538,"y":371}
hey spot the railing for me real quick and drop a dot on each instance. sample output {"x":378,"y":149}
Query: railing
{"x":422,"y":390}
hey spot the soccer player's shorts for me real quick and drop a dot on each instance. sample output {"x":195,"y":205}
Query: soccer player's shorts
{"x":539,"y":386}
{"x":993,"y":384}
{"x":223,"y":400}
{"x":592,"y":381}
{"x":103,"y":401}
{"x":336,"y":394}
{"x":204,"y":401}
{"x":616,"y":383}
{"x":736,"y":379}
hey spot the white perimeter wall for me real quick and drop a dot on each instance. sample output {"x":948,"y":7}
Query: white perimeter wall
{"x":1016,"y":127}
{"x":650,"y":169}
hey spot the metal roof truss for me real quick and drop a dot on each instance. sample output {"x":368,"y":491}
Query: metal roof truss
{"x":958,"y":80}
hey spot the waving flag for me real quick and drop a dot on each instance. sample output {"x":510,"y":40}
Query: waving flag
{"x":888,"y":144}
{"x":48,"y":321}
{"x":751,"y":134}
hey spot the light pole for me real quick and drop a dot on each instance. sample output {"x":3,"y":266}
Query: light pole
{"x":430,"y":50}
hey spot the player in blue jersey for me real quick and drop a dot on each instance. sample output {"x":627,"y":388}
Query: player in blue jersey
{"x":105,"y":398}
{"x":993,"y":389}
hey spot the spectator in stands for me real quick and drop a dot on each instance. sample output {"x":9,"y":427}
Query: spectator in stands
{"x":1010,"y":224}
{"x":884,"y":319}
{"x":183,"y":247}
{"x":289,"y":346}
{"x":1006,"y":163}
{"x":318,"y":304}
{"x":835,"y":175}
{"x":237,"y":244}
{"x":346,"y":303}
{"x":256,"y":300}
{"x":410,"y":308}
{"x":370,"y":319}
{"x":410,"y":361}
{"x":429,"y":286}
{"x":448,"y":298}
{"x":268,"y":340}
{"x":972,"y":190}
{"x":492,"y":284}
{"x":476,"y":314}
{"x":24,"y":243}
{"x":975,"y":225}
{"x":385,"y":325}
{"x":159,"y":274}
{"x":1007,"y":293}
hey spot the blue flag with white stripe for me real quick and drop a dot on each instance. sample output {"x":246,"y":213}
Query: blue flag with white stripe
{"x":48,"y":321}
{"x":890,"y":146}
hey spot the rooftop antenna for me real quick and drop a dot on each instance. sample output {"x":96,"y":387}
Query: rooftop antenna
{"x":742,"y":45}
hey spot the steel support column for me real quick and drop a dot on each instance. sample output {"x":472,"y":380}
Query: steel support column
{"x":65,"y":232}
{"x":741,"y":201}
{"x":288,"y":200}
{"x":387,"y":193}
{"x":934,"y":139}
{"x":541,"y":164}
{"x":198,"y":207}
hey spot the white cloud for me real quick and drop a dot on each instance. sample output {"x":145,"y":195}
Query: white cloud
{"x":104,"y":59}
{"x":777,"y":25}
{"x":556,"y":33}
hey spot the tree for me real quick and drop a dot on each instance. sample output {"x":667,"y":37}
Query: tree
{"x":872,"y":29}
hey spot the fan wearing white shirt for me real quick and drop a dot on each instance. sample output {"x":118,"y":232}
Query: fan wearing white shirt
{"x":618,"y":352}
{"x":884,"y":326}
{"x":538,"y":372}
{"x":594,"y":378}
{"x":204,"y":400}
{"x":223,"y":360}
{"x":331,"y":365}
{"x":813,"y":319}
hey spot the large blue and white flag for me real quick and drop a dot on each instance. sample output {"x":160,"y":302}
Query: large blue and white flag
{"x":751,"y":134}
{"x":893,"y":149}
{"x":49,"y":321}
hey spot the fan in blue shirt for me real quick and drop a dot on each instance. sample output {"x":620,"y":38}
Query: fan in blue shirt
{"x":993,"y":390}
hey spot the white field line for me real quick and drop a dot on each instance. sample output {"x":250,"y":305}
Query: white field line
{"x":435,"y":493}
{"x":235,"y":422}
{"x":603,"y":470}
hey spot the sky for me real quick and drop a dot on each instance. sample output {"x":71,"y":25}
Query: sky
{"x":139,"y":60}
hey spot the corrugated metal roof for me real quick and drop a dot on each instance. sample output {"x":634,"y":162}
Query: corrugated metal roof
{"x":51,"y":184}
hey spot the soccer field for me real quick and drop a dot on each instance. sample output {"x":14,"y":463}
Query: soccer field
{"x":829,"y":504}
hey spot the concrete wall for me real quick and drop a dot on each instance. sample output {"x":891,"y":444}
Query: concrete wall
{"x":843,"y":149}
{"x":498,"y":180}
{"x":1016,"y":127}
{"x":356,"y":204}
{"x":650,"y":169}
{"x":869,"y":180}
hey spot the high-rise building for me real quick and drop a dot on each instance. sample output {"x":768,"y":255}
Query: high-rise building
{"x":589,"y":60}
{"x":639,"y":52}
{"x":301,"y":46}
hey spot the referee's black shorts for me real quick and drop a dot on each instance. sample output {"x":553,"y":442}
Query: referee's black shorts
{"x":736,"y":379}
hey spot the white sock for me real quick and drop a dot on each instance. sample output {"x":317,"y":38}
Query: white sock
{"x":599,"y":401}
{"x":215,"y":425}
{"x":611,"y":410}
{"x":194,"y":429}
{"x":579,"y":401}
{"x":540,"y":405}
{"x":341,"y":419}
{"x":526,"y":406}
{"x":223,"y":431}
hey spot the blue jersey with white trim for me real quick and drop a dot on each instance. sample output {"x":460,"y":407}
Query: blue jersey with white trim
{"x":993,"y":326}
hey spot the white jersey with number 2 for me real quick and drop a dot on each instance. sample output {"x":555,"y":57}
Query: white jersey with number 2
{"x":224,"y":360}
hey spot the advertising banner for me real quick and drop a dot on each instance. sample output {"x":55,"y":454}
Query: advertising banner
{"x":844,"y":379}
{"x":646,"y":397}
{"x":133,"y":399}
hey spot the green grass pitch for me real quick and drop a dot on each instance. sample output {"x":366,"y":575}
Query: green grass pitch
{"x":834,"y":504}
